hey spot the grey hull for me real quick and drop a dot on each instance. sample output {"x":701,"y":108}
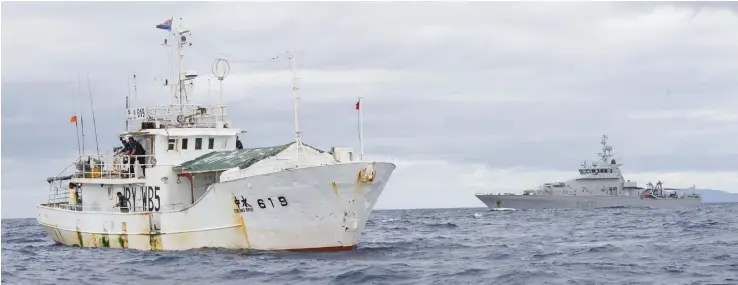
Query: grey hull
{"x":522,"y":202}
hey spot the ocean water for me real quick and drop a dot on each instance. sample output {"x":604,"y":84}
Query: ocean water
{"x":438,"y":246}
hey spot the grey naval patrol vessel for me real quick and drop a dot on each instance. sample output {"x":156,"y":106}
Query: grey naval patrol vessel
{"x":599,"y":185}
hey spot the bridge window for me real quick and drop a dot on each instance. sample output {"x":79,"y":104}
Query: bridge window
{"x":198,"y":143}
{"x":172,"y":144}
{"x":184,"y":143}
{"x":211,"y":143}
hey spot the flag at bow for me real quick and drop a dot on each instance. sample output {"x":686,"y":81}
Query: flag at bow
{"x":357,"y":104}
{"x":167,"y":25}
{"x":73,"y":119}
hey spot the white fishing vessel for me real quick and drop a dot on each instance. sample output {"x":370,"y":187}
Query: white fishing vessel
{"x":599,"y":185}
{"x":194,"y":187}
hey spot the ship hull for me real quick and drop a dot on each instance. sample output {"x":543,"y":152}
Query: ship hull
{"x":522,"y":202}
{"x":313,"y":208}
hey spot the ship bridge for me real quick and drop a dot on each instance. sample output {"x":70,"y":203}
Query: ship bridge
{"x":606,"y":167}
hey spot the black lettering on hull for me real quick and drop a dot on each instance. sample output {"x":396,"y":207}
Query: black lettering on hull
{"x":149,"y":197}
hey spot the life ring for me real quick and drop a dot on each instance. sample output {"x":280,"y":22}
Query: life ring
{"x":152,"y":161}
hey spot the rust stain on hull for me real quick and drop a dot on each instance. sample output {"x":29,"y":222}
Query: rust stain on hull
{"x":59,"y":234}
{"x":245,"y":232}
{"x":238,"y":219}
{"x":154,"y":235}
{"x":123,"y":238}
{"x":334,"y":186}
{"x":155,"y":242}
{"x":92,"y":241}
{"x":105,"y":239}
{"x":79,"y":238}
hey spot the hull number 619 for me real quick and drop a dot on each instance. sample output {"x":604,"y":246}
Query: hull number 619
{"x":272,"y":202}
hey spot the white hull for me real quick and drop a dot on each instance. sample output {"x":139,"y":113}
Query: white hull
{"x":325,"y":208}
{"x":522,"y":202}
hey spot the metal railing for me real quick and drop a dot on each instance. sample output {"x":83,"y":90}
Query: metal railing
{"x":55,"y":185}
{"x":185,"y":116}
{"x":59,"y":193}
{"x":117,"y":166}
{"x":112,"y":209}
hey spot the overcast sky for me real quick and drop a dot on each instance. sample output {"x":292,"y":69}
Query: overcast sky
{"x":466,"y":97}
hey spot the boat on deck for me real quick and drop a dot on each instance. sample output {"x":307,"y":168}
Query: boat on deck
{"x":195,"y":187}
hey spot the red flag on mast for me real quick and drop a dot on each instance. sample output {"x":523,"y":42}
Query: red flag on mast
{"x":357,"y":105}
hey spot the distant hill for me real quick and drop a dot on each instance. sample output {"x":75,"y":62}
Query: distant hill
{"x":715,"y":196}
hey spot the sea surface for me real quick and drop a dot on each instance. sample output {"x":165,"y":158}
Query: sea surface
{"x":437,"y":246}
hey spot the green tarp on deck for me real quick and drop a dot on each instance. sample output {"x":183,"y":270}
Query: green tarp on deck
{"x":222,"y":160}
{"x":243,"y":158}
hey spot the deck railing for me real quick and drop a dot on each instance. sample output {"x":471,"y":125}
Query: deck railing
{"x":58,"y":193}
{"x":113,"y":166}
{"x":182,"y":116}
{"x":112,"y":209}
{"x":56,"y":186}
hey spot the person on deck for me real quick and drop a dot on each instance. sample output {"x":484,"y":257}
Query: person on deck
{"x":138,"y":153}
{"x":123,"y":150}
{"x":122,"y":203}
{"x":239,"y":145}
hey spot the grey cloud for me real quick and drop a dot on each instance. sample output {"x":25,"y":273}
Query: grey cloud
{"x":504,"y":136}
{"x":41,"y":128}
{"x":698,"y":6}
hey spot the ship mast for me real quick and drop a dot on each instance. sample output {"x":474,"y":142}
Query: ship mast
{"x":180,"y":93}
{"x":298,"y":143}
{"x":606,"y":150}
{"x":181,"y":36}
{"x":179,"y":88}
